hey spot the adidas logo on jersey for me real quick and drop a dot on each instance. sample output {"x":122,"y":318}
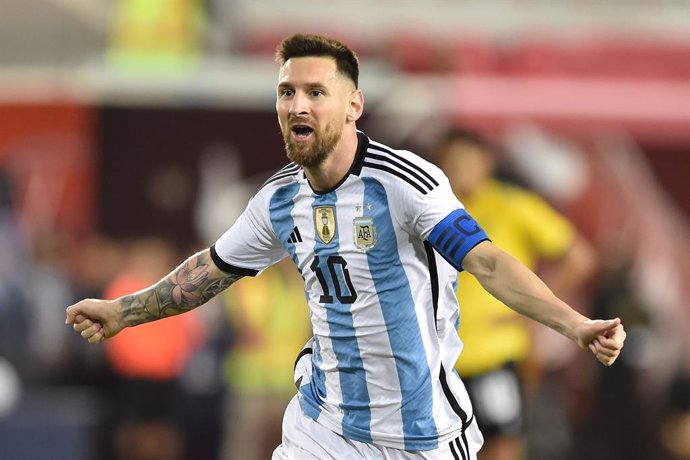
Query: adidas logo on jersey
{"x":295,"y":237}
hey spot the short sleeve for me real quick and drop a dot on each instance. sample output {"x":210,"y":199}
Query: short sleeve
{"x":428,"y":210}
{"x":250,"y":245}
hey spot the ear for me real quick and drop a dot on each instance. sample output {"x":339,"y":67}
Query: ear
{"x":356,"y":106}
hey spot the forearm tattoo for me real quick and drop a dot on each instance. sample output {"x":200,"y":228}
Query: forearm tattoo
{"x":184,"y":289}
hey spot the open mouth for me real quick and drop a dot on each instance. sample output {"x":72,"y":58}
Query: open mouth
{"x":301,"y":132}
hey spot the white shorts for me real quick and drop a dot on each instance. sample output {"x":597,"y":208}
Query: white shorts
{"x":305,"y":439}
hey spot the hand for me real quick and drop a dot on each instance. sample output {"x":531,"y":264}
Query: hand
{"x":95,"y":320}
{"x":604,"y":338}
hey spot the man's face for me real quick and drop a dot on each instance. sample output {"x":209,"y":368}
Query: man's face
{"x":467,"y":166}
{"x":312,"y":105}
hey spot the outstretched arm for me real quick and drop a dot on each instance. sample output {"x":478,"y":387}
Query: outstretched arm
{"x":518,"y":287}
{"x":193,"y":283}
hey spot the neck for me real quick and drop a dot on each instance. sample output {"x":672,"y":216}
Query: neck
{"x":326,"y":175}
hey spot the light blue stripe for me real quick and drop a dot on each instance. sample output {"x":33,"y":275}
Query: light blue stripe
{"x":404,"y":334}
{"x":353,"y":384}
{"x":280,"y":209}
{"x":315,"y":391}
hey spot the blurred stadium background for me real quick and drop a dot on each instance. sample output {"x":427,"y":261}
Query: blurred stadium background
{"x":121,"y":120}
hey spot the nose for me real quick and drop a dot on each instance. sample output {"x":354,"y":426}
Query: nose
{"x":298,"y":105}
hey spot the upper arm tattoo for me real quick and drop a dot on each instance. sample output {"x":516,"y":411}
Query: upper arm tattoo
{"x":193,"y":283}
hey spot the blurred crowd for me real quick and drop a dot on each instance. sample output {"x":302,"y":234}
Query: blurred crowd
{"x":209,"y":384}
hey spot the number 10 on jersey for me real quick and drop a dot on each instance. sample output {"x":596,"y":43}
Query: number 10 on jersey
{"x":337,"y":274}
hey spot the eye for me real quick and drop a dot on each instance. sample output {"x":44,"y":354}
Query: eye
{"x":316,"y":93}
{"x":286,"y":92}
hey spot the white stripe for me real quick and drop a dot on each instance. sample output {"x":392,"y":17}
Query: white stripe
{"x":381,"y":374}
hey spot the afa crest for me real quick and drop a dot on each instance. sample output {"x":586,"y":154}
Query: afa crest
{"x":364,"y":232}
{"x":324,"y":223}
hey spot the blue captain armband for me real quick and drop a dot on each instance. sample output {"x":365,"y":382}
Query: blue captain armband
{"x":455,"y":236}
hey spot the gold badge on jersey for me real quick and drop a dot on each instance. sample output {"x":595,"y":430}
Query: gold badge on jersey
{"x":324,"y":222}
{"x":364,"y":232}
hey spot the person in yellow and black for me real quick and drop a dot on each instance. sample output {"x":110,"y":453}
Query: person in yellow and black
{"x":496,"y":339}
{"x":270,"y":324}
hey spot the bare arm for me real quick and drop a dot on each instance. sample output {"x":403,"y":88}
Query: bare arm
{"x":518,"y":287}
{"x":193,"y":283}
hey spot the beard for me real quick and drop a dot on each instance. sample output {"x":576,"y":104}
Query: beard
{"x":314,"y":152}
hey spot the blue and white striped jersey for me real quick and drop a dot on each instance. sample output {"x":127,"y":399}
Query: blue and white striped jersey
{"x":382,"y":301}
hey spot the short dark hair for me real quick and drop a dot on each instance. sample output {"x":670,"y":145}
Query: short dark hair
{"x":464,"y":135}
{"x":306,"y":45}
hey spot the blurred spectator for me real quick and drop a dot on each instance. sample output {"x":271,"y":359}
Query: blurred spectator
{"x":48,"y":288}
{"x":612,"y":412}
{"x":158,"y":34}
{"x":495,"y":363}
{"x":268,"y":315}
{"x":613,"y":193}
{"x":675,"y":424}
{"x":95,"y":263}
{"x":147,"y":363}
{"x":14,"y":321}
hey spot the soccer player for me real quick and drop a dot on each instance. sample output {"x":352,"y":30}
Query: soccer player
{"x":378,"y":237}
{"x":495,"y":338}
